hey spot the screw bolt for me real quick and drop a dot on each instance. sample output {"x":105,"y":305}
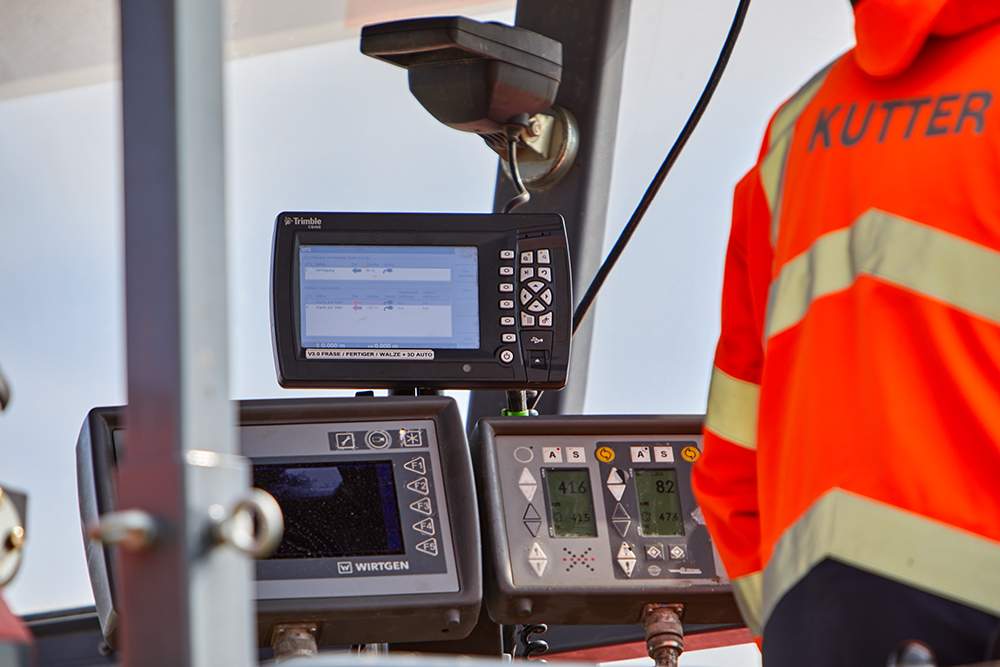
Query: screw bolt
{"x":15,"y":539}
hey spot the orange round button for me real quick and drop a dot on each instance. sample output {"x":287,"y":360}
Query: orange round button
{"x":605,"y":454}
{"x":690,"y":454}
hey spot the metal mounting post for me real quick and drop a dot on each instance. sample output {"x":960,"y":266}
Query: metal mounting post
{"x":185,"y":599}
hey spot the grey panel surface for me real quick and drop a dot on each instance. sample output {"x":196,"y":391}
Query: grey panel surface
{"x":594,"y":561}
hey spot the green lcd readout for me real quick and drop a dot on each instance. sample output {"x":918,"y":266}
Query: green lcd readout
{"x":571,"y":502}
{"x":659,"y":502}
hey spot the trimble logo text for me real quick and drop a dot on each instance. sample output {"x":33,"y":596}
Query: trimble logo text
{"x":293,"y":220}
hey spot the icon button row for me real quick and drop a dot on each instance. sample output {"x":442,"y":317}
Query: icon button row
{"x":543,"y":256}
{"x":555,"y":454}
{"x":377,"y":439}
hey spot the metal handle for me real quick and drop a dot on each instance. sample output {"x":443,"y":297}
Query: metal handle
{"x":255,"y":525}
{"x":131,"y":529}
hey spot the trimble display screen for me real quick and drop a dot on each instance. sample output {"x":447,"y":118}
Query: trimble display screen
{"x":405,"y":300}
{"x":333,"y":510}
{"x":387,"y":298}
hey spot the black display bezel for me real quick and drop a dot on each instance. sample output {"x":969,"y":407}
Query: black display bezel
{"x":451,"y":368}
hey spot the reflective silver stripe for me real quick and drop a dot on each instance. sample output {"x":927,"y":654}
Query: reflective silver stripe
{"x":772,"y":167}
{"x":890,"y":542}
{"x":748,"y":592}
{"x":895,"y":250}
{"x":772,"y":178}
{"x":732,"y":409}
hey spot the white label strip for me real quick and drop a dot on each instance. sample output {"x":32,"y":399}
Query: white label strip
{"x":369,"y":355}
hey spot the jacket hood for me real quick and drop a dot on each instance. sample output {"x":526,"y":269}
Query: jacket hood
{"x":890,"y":33}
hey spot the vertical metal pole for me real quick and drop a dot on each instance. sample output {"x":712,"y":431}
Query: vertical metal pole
{"x":593,"y":34}
{"x":183,"y":602}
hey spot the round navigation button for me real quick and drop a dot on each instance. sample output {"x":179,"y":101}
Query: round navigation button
{"x":523,"y":454}
{"x":605,"y":454}
{"x":378,"y":439}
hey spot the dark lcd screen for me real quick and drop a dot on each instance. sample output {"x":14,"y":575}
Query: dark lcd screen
{"x":571,"y":503}
{"x":659,"y":502}
{"x":334,"y":510}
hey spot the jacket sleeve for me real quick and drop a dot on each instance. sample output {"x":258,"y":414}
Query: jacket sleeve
{"x":725,"y":477}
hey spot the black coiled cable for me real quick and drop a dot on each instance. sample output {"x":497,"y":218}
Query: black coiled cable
{"x":531,"y":647}
{"x":668,"y":163}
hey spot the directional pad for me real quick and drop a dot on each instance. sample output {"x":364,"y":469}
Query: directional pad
{"x":527,"y":483}
{"x":532,"y":520}
{"x":537,"y":558}
{"x":626,"y":559}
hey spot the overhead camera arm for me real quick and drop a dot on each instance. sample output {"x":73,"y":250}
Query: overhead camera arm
{"x":495,"y":80}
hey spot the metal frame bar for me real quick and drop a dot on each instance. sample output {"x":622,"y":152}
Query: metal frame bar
{"x":183,"y":601}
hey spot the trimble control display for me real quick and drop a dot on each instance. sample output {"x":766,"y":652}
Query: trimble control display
{"x":381,"y":540}
{"x":587,"y":519}
{"x":397,"y":300}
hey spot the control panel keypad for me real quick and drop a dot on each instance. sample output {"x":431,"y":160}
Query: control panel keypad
{"x":536,"y":294}
{"x":534,"y":302}
{"x":531,"y":294}
{"x":638,"y":503}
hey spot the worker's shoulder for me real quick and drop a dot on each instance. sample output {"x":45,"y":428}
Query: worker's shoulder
{"x":784,"y":118}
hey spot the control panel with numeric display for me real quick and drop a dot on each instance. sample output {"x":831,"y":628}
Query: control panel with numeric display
{"x":589,"y":518}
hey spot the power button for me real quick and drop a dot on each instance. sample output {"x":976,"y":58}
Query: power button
{"x":506,"y":356}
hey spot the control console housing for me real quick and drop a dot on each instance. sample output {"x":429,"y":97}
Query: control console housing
{"x":588,"y":518}
{"x":381,"y":538}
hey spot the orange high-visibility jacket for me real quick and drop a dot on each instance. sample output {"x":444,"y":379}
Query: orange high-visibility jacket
{"x":854,"y":410}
